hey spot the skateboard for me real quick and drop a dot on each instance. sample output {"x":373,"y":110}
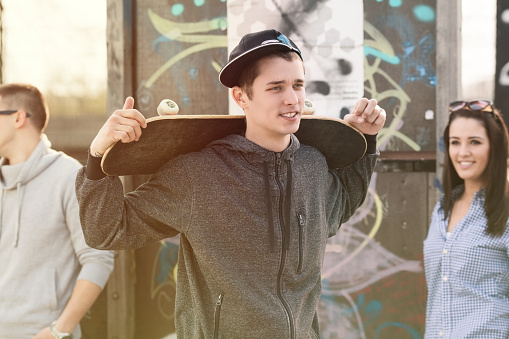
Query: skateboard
{"x":169,"y":136}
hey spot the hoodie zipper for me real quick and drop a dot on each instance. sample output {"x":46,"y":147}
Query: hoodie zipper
{"x":301,"y":231}
{"x":217,"y":315}
{"x":283,"y":251}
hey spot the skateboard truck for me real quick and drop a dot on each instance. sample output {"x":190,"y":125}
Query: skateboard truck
{"x":170,"y":107}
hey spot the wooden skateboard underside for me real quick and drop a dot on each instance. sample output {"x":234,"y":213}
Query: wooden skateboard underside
{"x":166,"y":137}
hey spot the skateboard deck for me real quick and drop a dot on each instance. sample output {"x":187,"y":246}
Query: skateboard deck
{"x":166,"y":137}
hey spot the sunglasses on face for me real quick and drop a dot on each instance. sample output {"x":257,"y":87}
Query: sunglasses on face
{"x":476,"y":105}
{"x":13,"y":111}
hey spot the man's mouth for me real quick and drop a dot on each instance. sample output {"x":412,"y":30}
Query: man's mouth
{"x":289,"y":115}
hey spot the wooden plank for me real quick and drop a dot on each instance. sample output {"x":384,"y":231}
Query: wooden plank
{"x":121,"y":305}
{"x":448,"y":67}
{"x":502,"y":60}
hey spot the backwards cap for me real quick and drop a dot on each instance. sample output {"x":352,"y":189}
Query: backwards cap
{"x":253,"y":47}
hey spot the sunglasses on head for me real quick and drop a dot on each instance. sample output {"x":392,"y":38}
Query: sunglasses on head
{"x":13,"y":111}
{"x":476,"y":105}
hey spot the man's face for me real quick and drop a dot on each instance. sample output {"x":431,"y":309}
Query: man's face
{"x":277,"y":101}
{"x":7,"y":130}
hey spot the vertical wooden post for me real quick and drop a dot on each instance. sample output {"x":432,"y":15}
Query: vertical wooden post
{"x":448,"y":68}
{"x":121,"y":306}
{"x":1,"y":42}
{"x":502,"y":60}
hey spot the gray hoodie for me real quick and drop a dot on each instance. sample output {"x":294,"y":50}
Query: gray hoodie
{"x":251,"y":249}
{"x":42,"y":249}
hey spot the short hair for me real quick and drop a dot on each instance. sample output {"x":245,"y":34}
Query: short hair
{"x":27,"y":97}
{"x":497,"y":197}
{"x":252,"y":71}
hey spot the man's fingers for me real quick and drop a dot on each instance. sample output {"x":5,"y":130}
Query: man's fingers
{"x":130,"y":129}
{"x":129,"y":103}
{"x":131,"y":113}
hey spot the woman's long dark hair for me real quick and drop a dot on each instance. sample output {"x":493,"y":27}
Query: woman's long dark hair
{"x":496,"y":204}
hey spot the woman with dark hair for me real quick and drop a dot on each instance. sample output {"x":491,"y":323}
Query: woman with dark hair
{"x":466,"y":252}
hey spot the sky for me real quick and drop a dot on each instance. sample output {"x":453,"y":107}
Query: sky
{"x":61,"y":45}
{"x":57,"y":44}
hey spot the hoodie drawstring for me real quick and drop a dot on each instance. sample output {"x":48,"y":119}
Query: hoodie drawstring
{"x":268,"y":199}
{"x":18,"y":211}
{"x":287,"y":207}
{"x":288,"y":204}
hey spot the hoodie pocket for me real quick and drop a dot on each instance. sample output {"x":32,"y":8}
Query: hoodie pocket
{"x":217,"y":315}
{"x":300,"y":219}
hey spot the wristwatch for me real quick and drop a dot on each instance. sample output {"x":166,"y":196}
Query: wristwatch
{"x":57,"y":334}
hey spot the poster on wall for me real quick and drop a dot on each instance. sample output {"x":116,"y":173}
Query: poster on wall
{"x":330,"y":36}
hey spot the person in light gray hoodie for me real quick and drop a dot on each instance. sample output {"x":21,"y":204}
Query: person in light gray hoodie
{"x":49,"y":277}
{"x":253,"y":211}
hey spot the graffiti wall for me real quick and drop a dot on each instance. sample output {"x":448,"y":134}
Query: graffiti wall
{"x":179,"y":50}
{"x":373,"y":281}
{"x":399,"y":48}
{"x":502,"y":59}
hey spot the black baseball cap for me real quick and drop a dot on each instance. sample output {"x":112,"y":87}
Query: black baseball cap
{"x":252,"y":47}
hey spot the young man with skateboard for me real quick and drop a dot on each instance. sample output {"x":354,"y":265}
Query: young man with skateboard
{"x":253,"y":211}
{"x":49,"y":277}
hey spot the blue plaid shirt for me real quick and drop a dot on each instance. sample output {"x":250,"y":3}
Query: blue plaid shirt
{"x":467,"y":275}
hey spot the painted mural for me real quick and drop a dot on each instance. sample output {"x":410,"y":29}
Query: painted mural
{"x":180,"y":48}
{"x":384,"y":49}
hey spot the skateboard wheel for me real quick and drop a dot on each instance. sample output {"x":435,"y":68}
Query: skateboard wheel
{"x":309,"y":108}
{"x":167,"y":107}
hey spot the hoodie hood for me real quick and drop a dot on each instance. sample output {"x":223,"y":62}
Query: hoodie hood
{"x":254,"y":153}
{"x":270,"y":162}
{"x":40,"y":159}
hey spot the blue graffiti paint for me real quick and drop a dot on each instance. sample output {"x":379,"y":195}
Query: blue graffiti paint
{"x":193,"y":73}
{"x":199,"y":3}
{"x":438,"y":184}
{"x":167,"y":261}
{"x":177,"y":9}
{"x":424,"y":13}
{"x":373,"y":309}
{"x":414,"y":334}
{"x":378,"y":54}
{"x":441,"y":144}
{"x":415,"y":59}
{"x":395,"y":3}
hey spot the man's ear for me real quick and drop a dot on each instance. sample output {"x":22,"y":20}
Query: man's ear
{"x":21,"y":118}
{"x":239,"y":96}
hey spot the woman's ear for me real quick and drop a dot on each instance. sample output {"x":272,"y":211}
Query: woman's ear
{"x":239,"y":96}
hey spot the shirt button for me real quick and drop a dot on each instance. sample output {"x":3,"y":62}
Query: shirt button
{"x":444,"y":278}
{"x":446,"y":251}
{"x":441,"y":334}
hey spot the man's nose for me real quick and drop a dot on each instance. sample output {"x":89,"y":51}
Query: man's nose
{"x":291,"y":97}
